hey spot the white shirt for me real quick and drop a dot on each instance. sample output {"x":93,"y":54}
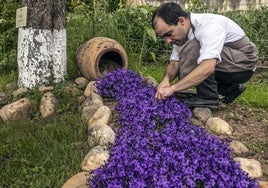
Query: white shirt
{"x":212,"y":31}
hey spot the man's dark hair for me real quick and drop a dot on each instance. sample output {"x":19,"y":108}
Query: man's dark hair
{"x":169,"y":12}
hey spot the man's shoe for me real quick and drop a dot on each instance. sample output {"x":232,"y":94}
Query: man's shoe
{"x":233,"y":94}
{"x":202,"y":103}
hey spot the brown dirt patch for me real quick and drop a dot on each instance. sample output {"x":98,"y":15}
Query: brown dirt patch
{"x":250,"y":127}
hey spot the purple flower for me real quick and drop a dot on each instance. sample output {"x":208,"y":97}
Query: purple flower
{"x":157,"y":146}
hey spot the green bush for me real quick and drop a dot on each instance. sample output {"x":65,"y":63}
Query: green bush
{"x":107,"y":5}
{"x":130,"y":26}
{"x":8,"y":35}
{"x":254,"y":23}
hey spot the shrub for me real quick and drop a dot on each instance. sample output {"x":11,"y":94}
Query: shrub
{"x":8,"y":35}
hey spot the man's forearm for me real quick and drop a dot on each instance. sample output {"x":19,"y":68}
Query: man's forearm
{"x":198,"y":75}
{"x":171,"y":71}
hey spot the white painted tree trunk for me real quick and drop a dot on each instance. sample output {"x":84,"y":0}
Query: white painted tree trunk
{"x":59,"y":56}
{"x":41,"y":56}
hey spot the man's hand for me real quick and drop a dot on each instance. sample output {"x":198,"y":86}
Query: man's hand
{"x":165,"y":89}
{"x":163,"y":93}
{"x":163,"y":84}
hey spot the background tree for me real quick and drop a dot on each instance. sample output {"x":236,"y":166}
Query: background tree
{"x":135,"y":2}
{"x":41,"y":52}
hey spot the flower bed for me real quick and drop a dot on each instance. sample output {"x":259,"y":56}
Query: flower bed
{"x":157,"y":145}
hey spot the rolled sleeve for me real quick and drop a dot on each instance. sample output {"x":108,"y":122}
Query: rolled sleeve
{"x":211,"y":39}
{"x":214,"y":54}
{"x":175,"y":53}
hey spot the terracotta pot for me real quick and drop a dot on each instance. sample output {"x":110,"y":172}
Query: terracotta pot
{"x":100,"y":55}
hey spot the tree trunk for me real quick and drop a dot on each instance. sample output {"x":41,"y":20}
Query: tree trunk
{"x":42,"y":44}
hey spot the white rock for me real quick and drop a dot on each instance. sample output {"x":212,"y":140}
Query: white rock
{"x":202,"y":114}
{"x":95,"y":158}
{"x":19,"y":91}
{"x":101,"y":135}
{"x":90,"y":89}
{"x":251,"y":166}
{"x":102,"y":116}
{"x":263,"y":184}
{"x":219,"y":126}
{"x":90,"y":107}
{"x":48,"y":105}
{"x":17,"y":110}
{"x":238,"y":147}
{"x":77,"y":181}
{"x":81,"y":82}
{"x":96,"y":98}
{"x":45,"y":88}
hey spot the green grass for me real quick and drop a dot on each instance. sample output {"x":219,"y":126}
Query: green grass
{"x":153,"y":70}
{"x":7,"y":78}
{"x":256,"y":93}
{"x":41,"y":154}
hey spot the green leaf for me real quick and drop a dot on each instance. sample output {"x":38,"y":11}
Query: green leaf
{"x":151,"y":33}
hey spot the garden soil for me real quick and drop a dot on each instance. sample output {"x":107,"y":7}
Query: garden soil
{"x":250,"y":127}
